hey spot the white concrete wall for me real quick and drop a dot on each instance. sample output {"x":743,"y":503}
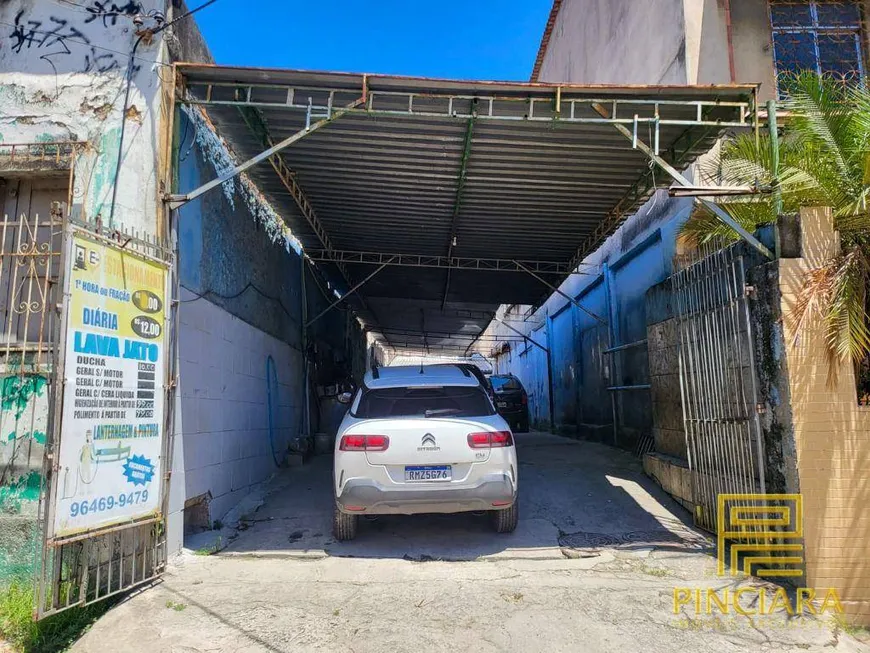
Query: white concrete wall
{"x":62,"y":74}
{"x":617,"y":42}
{"x":222,"y":408}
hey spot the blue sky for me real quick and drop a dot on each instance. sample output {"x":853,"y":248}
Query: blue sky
{"x":471,"y":39}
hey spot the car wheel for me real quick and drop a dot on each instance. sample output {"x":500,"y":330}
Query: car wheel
{"x":505,"y":521}
{"x":523,"y":426}
{"x":344,"y":526}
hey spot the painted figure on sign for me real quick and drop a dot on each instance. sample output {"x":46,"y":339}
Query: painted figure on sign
{"x":88,"y":460}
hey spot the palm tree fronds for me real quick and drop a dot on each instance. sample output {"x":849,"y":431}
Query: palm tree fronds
{"x":836,"y":294}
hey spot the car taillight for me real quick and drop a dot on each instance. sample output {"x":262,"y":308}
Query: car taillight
{"x":487,"y":440}
{"x":364,"y":443}
{"x":525,"y":400}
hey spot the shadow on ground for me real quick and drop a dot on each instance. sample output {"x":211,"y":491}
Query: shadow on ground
{"x":575,"y":498}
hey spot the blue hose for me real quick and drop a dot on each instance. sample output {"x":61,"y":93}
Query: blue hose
{"x":270,"y":365}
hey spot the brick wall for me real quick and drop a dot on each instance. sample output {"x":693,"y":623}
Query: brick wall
{"x":832,"y":436}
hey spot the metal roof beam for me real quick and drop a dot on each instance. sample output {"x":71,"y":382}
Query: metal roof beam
{"x":457,"y":203}
{"x":677,"y":176}
{"x":176,"y":201}
{"x":425,"y":261}
{"x":258,"y":126}
{"x":556,"y":104}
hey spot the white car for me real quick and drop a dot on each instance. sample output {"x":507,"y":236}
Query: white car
{"x":423,"y":439}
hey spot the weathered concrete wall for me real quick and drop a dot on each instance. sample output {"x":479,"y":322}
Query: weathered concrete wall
{"x":63,"y":70}
{"x":660,"y":42}
{"x":830,"y":430}
{"x":668,"y":431}
{"x":62,"y":78}
{"x":753,"y":48}
{"x":617,"y":41}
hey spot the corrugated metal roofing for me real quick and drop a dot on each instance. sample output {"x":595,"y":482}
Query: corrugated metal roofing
{"x":384,"y":178}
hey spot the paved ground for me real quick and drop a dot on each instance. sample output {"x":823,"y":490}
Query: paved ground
{"x":592,"y":567}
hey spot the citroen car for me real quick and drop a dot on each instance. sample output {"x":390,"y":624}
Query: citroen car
{"x":423,"y":439}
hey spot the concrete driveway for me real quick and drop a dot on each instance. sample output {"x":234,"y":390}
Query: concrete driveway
{"x":591,"y":567}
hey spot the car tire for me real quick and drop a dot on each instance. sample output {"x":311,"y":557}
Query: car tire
{"x":344,"y":527}
{"x":505,"y":521}
{"x":523,"y":426}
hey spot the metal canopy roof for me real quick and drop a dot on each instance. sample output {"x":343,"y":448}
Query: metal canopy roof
{"x":454,"y":192}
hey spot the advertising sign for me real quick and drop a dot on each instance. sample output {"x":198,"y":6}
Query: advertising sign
{"x":109,"y":460}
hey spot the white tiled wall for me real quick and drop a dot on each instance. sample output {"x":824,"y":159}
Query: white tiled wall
{"x":222,"y":428}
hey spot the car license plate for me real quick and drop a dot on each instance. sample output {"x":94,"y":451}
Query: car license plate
{"x":502,"y":404}
{"x":428,"y":473}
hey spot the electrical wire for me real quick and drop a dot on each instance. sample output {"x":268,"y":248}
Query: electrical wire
{"x":150,"y":34}
{"x":248,"y":286}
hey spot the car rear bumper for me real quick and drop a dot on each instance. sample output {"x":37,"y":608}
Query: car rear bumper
{"x":512,"y":412}
{"x":370,"y":497}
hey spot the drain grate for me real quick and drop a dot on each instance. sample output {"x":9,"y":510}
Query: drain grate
{"x":662,"y":539}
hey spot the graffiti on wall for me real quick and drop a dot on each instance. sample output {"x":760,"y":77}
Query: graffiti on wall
{"x":57,"y":38}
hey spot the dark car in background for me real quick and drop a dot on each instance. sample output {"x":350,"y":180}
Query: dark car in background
{"x":511,"y":400}
{"x":476,"y":372}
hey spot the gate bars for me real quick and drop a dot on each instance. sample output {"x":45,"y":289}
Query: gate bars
{"x":717,"y":381}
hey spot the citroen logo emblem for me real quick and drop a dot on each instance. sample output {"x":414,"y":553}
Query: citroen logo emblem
{"x":428,"y":440}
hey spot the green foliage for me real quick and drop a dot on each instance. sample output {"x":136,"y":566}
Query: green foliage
{"x":824,"y":160}
{"x":52,"y":634}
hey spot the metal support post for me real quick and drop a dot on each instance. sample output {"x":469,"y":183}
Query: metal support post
{"x":303,"y":298}
{"x":774,"y":155}
{"x":457,"y":203}
{"x":556,"y":290}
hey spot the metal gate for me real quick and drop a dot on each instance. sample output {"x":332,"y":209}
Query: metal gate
{"x":717,"y":381}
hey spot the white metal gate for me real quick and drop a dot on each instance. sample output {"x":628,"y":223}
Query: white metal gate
{"x":718,"y":381}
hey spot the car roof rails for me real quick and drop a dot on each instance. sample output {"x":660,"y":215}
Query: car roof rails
{"x":464,"y":369}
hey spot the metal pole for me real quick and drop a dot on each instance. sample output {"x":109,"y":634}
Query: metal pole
{"x":550,"y":382}
{"x":559,"y":292}
{"x":306,"y":411}
{"x":344,"y":296}
{"x":774,"y":155}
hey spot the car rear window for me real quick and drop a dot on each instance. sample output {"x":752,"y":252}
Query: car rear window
{"x":443,"y":401}
{"x":505,"y":383}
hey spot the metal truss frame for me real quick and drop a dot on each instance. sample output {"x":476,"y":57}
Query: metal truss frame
{"x":451,"y":262}
{"x":565,"y":104}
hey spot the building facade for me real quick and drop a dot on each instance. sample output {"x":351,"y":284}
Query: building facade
{"x":88,"y":137}
{"x":632,"y":397}
{"x":654,"y":43}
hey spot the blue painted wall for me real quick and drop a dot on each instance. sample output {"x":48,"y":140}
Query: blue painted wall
{"x":612,"y":284}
